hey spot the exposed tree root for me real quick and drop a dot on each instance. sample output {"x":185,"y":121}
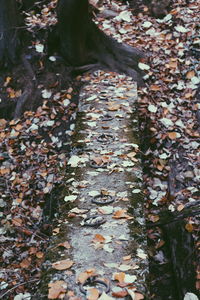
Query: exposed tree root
{"x":83,"y":43}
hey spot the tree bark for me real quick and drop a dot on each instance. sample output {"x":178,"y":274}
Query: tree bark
{"x":83,"y":43}
{"x":9,"y":32}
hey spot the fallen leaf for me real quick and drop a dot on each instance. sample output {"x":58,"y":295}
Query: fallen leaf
{"x":119,"y":277}
{"x":92,"y":294}
{"x":25,"y":263}
{"x":56,"y":289}
{"x":172,"y":135}
{"x":120,"y":294}
{"x":62,"y":264}
{"x":120,"y":214}
{"x":189,"y":227}
{"x":104,"y":296}
{"x":82,"y":277}
{"x":98,"y":238}
{"x":65,"y":245}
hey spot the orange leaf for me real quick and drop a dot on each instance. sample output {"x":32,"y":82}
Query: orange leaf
{"x":119,"y":277}
{"x":39,"y":254}
{"x":189,"y":227}
{"x":62,"y":264}
{"x":190,"y":74}
{"x":172,"y":135}
{"x":56,"y":289}
{"x":98,"y":238}
{"x":92,"y":294}
{"x":82,"y":277}
{"x":120,"y":214}
{"x":154,"y":87}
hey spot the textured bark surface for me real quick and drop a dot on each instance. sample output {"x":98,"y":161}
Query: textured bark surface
{"x":82,"y":43}
{"x":9,"y":32}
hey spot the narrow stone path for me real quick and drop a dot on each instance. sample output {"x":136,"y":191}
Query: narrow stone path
{"x":104,"y":167}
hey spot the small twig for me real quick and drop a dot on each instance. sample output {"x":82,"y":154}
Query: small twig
{"x":17,"y":285}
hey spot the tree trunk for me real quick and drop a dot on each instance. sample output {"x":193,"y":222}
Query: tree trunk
{"x":9,"y":32}
{"x":84,"y":45}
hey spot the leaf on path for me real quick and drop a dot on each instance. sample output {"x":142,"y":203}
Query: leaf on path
{"x":70,"y":198}
{"x":82,"y":277}
{"x":113,"y":106}
{"x":121,"y":214}
{"x":56,"y":289}
{"x":120,"y":294}
{"x":62,"y":264}
{"x":98,"y":238}
{"x":92,"y":294}
{"x":135,"y":295}
{"x":128,"y":257}
{"x":119,"y":277}
{"x":104,"y":296}
{"x":65,"y":245}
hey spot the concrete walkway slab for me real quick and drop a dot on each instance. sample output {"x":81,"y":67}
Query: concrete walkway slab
{"x":104,"y":167}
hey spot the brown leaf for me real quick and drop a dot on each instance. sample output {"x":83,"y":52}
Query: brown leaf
{"x":120,"y":294}
{"x":17,"y":221}
{"x":56,"y":289}
{"x":25,"y":263}
{"x":62,"y":264}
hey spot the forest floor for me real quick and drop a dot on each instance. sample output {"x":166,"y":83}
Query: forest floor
{"x":35,"y":152}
